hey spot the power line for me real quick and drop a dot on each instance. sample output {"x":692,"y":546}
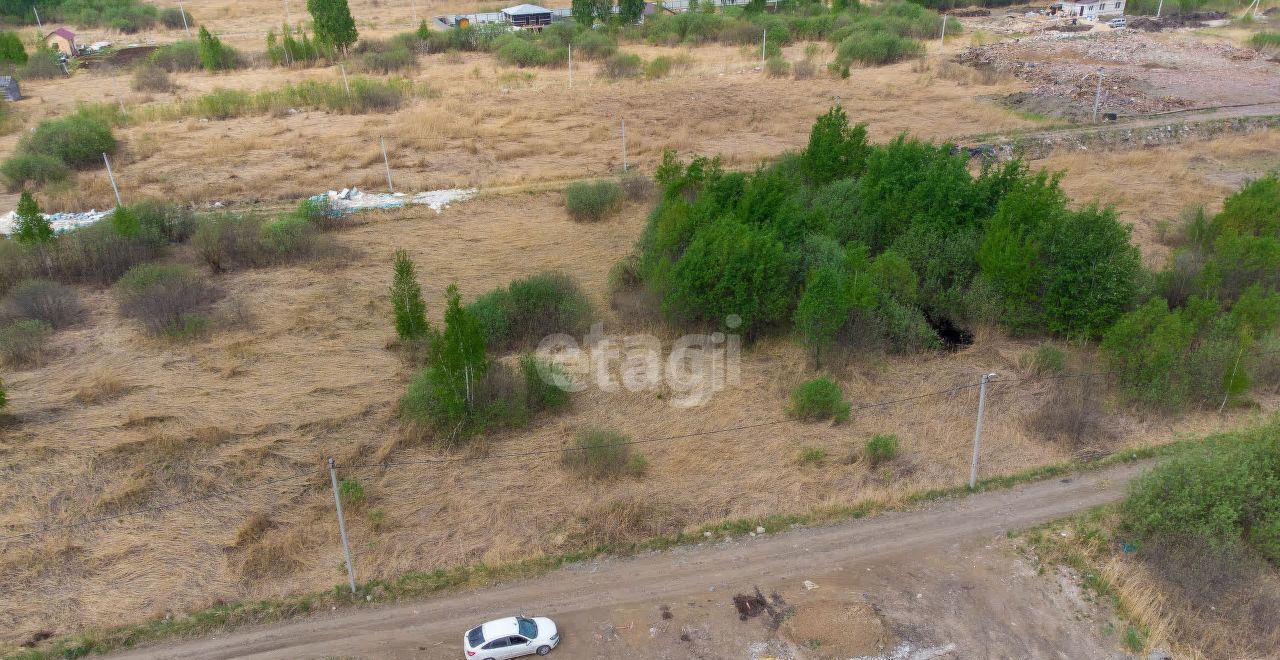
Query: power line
{"x":542,"y":452}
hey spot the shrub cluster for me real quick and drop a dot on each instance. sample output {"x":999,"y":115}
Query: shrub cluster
{"x":528,"y":310}
{"x":149,"y":77}
{"x":855,"y":245}
{"x":881,"y":448}
{"x":819,"y":398}
{"x":592,"y":201}
{"x":602,"y":454}
{"x":24,"y":343}
{"x":41,"y":65}
{"x":384,"y":57}
{"x":295,"y":47}
{"x":228,"y":241}
{"x":367,"y":95}
{"x":166,"y":299}
{"x":177,"y":56}
{"x":55,"y":304}
{"x":462,"y":392}
{"x":58,"y":145}
{"x":1225,"y":492}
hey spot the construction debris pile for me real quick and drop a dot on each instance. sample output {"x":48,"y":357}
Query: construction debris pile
{"x":1063,"y":69}
{"x":59,"y":221}
{"x":350,"y":200}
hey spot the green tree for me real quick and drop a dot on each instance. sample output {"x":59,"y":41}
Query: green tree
{"x":1092,"y":274}
{"x":406,"y":299}
{"x":460,"y":351}
{"x":333,"y":23}
{"x":584,"y":12}
{"x":630,"y":11}
{"x":214,"y":56}
{"x":11,"y":49}
{"x":836,"y":150}
{"x":822,"y":310}
{"x":32,"y":227}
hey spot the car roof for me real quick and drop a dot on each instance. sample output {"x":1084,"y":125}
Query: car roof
{"x":500,"y":628}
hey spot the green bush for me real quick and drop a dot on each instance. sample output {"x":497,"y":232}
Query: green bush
{"x":386,"y":57}
{"x":811,"y":456}
{"x":351,"y":492}
{"x":657,"y":67}
{"x":24,"y":343}
{"x":542,"y":384}
{"x":819,"y":398}
{"x":214,"y":55}
{"x":881,"y":448}
{"x":519,"y":50}
{"x":602,"y":454}
{"x":1047,"y":359}
{"x":777,"y":67}
{"x":592,"y":201}
{"x":11,"y":49}
{"x":177,"y":56}
{"x":622,"y":65}
{"x":22,"y":169}
{"x":42,"y":65}
{"x":148,"y":77}
{"x":164,"y":298}
{"x":532,"y":308}
{"x":78,"y":140}
{"x":877,"y":48}
{"x":287,"y":239}
{"x":1225,"y":491}
{"x":593,"y":45}
{"x":97,"y":253}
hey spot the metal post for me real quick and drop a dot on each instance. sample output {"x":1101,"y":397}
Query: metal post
{"x":943,"y":39}
{"x":1097,"y":97}
{"x":184,"y":19}
{"x":977,"y":431}
{"x":386,"y":163}
{"x":570,"y":65}
{"x":1159,"y":8}
{"x":345,"y":84}
{"x":112,"y":176}
{"x":120,"y":98}
{"x":342,"y":525}
{"x":624,"y":144}
{"x":763,"y":36}
{"x":38,"y":23}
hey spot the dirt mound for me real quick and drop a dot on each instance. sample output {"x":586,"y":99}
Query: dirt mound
{"x":970,"y":12}
{"x":750,"y":606}
{"x":839,"y":630}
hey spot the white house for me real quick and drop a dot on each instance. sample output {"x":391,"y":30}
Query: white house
{"x":1091,"y":10}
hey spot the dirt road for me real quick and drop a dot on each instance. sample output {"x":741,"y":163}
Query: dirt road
{"x":709,"y":572}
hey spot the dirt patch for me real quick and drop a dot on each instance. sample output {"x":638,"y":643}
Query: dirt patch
{"x":750,"y":606}
{"x":839,"y":630}
{"x":1141,"y":74}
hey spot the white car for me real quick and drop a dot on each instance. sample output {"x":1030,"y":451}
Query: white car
{"x":1117,"y":23}
{"x":511,"y":637}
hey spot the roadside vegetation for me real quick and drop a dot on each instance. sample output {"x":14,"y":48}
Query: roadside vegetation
{"x":1190,"y":558}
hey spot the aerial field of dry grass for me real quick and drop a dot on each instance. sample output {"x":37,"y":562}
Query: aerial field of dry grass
{"x":114,"y":420}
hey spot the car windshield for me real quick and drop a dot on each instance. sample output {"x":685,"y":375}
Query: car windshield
{"x":528,"y":628}
{"x":475,"y":637}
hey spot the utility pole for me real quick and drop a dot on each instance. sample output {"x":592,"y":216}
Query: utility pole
{"x":1097,"y":96}
{"x":38,"y":23}
{"x":287,"y":20}
{"x":624,"y":144}
{"x":112,"y":176}
{"x":570,"y":66}
{"x":343,"y":68}
{"x":1159,"y":8}
{"x":184,"y":19}
{"x":342,"y":525}
{"x":942,"y":40}
{"x":386,"y":163}
{"x":977,"y":431}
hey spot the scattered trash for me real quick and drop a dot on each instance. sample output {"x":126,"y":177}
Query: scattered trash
{"x":60,"y":221}
{"x":759,"y":530}
{"x":350,"y":200}
{"x":809,"y":585}
{"x":666,"y":611}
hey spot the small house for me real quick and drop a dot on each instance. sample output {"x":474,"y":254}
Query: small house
{"x":1090,"y":10}
{"x":63,"y":41}
{"x":9,"y":88}
{"x":527,"y":16}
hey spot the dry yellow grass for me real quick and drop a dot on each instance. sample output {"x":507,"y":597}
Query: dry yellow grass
{"x":315,"y":378}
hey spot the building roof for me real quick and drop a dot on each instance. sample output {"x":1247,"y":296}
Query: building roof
{"x":525,"y":9}
{"x":62,"y":32}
